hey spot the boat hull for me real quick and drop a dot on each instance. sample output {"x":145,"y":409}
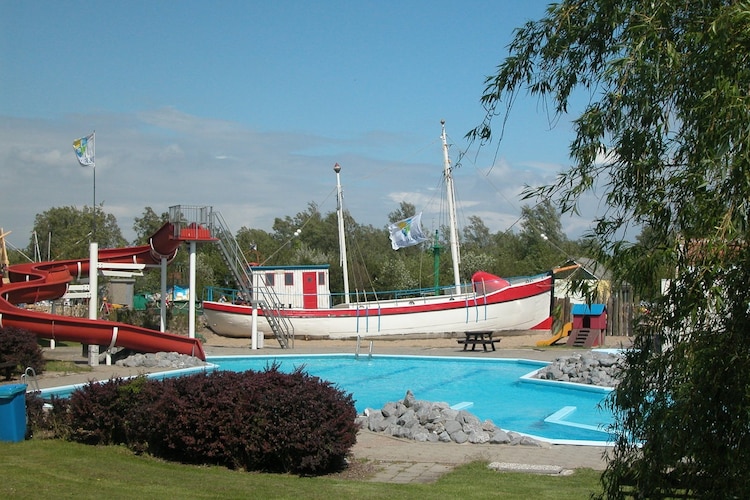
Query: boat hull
{"x":521,"y":306}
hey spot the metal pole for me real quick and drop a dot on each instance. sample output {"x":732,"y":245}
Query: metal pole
{"x":342,"y":234}
{"x":451,"y":209}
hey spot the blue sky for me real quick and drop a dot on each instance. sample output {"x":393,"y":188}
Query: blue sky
{"x":245,"y":106}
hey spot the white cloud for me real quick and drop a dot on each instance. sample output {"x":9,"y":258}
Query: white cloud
{"x":165,"y":157}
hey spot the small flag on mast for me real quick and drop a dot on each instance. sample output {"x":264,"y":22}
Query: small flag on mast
{"x":407,"y":232}
{"x":84,"y":150}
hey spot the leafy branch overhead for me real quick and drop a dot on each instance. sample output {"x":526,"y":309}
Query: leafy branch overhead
{"x":658,"y":96}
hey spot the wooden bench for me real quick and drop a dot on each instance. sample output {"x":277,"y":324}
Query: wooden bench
{"x":8,"y":366}
{"x":483,"y":337}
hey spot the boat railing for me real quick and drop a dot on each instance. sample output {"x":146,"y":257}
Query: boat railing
{"x":222,"y":294}
{"x":415,"y":293}
{"x":520,"y":280}
{"x":271,"y":296}
{"x":361,"y":296}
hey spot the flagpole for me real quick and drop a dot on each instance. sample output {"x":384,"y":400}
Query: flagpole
{"x":85,"y":150}
{"x":93,"y":218}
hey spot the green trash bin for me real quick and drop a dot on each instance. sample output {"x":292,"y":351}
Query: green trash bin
{"x":13,"y":412}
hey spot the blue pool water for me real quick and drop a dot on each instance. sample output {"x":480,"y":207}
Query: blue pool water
{"x":494,"y":389}
{"x":489,"y":388}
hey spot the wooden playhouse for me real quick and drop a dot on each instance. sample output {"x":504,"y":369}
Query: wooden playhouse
{"x":589,"y":325}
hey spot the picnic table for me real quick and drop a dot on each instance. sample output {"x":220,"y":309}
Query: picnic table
{"x":483,"y":337}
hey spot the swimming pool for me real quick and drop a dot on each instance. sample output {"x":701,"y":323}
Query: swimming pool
{"x":496,"y":389}
{"x":501,"y":390}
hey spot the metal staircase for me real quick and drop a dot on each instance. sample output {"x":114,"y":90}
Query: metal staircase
{"x":262,"y":297}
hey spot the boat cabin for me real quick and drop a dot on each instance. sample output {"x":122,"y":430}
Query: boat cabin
{"x":296,"y":287}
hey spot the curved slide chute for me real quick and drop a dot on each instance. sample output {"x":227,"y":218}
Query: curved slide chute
{"x":37,"y":281}
{"x":564,"y":332}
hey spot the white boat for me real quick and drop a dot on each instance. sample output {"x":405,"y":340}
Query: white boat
{"x":487,"y":303}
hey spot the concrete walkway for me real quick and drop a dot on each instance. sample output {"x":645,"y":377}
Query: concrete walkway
{"x":404,"y":460}
{"x":397,"y":460}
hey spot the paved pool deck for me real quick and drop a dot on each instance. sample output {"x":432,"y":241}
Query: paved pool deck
{"x":397,"y":460}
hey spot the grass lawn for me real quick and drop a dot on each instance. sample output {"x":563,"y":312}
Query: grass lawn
{"x":59,"y":366}
{"x":55,"y":469}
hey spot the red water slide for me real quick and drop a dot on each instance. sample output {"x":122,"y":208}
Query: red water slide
{"x":37,"y":281}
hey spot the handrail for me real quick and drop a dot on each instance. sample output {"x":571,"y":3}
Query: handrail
{"x":29,"y":378}
{"x":257,"y":293}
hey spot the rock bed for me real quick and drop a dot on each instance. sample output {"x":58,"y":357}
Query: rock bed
{"x":589,"y":367}
{"x":436,"y":422}
{"x":160,"y":360}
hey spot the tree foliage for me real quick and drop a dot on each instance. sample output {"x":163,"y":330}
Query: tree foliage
{"x":146,"y":225}
{"x":665,"y":88}
{"x":405,"y":210}
{"x":371,"y":259}
{"x":65,"y":232}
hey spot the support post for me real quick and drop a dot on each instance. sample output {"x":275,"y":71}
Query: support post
{"x":93,"y":353}
{"x":254,"y":326}
{"x":191,"y":301}
{"x":163,"y":295}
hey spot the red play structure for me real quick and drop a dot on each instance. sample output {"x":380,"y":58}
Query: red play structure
{"x":36,"y":281}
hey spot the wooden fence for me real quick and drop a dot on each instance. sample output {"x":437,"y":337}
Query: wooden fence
{"x":621,"y":309}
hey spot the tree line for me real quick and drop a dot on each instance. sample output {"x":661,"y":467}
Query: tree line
{"x":538,"y":246}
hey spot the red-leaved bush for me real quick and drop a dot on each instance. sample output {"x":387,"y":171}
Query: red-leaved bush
{"x":20,"y":346}
{"x":267,"y":420}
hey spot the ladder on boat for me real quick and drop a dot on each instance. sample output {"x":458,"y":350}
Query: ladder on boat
{"x":262,"y":297}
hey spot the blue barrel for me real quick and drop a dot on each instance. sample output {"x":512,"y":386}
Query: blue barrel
{"x":13,"y":412}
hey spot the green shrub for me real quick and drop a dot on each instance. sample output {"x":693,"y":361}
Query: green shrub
{"x":269,"y":420}
{"x":20,"y":347}
{"x":52,"y":421}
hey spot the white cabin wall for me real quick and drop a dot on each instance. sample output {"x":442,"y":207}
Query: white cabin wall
{"x":291,"y":296}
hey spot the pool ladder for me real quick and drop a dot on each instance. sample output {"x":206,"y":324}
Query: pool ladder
{"x":29,"y":378}
{"x":356,"y":353}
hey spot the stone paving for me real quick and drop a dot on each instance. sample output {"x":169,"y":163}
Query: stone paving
{"x":410,"y":472}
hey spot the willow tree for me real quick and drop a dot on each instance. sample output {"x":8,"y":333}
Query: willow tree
{"x":664,"y":131}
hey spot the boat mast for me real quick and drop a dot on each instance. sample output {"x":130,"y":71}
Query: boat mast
{"x":342,"y":236}
{"x":455,"y":255}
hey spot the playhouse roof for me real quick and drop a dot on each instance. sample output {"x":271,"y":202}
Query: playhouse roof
{"x":588,"y":309}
